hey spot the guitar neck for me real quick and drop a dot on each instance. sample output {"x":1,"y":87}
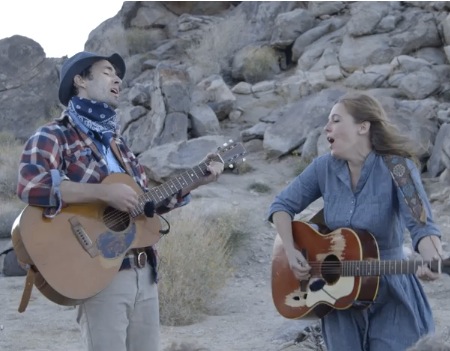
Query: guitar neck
{"x":162,"y":192}
{"x":385,"y":267}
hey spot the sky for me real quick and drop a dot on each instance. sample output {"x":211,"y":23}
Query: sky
{"x":60,"y":27}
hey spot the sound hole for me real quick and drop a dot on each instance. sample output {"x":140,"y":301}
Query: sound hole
{"x":331,"y":269}
{"x":116,"y":220}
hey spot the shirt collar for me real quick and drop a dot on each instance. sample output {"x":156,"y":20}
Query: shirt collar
{"x":341,"y":169}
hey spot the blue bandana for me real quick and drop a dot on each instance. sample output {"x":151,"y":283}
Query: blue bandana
{"x":96,"y":116}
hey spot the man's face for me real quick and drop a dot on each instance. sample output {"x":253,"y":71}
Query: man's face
{"x":102,"y":84}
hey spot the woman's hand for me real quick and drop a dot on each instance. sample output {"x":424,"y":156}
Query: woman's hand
{"x":298,"y":264}
{"x":424,"y":272}
{"x":430,"y":248}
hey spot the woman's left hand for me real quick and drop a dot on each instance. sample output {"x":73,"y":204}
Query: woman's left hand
{"x":425,"y":273}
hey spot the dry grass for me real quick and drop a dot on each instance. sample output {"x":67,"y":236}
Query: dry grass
{"x":194,"y":261}
{"x":10,"y":206}
{"x":9,"y":210}
{"x":10,"y":150}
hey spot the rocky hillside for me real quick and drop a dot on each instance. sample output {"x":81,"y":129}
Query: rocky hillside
{"x":266,"y":73}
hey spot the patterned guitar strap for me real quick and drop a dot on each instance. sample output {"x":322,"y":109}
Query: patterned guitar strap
{"x":402,"y":178}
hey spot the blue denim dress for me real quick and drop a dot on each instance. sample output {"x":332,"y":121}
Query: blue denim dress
{"x":400,"y":314}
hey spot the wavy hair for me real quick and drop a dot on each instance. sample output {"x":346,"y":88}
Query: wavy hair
{"x":385,"y":137}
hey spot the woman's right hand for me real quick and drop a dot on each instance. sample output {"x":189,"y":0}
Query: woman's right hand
{"x":298,"y":264}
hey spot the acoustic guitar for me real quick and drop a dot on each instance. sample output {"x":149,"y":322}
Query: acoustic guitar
{"x":345,"y":271}
{"x":78,"y":252}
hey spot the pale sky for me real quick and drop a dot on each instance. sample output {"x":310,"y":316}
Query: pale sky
{"x":60,"y":27}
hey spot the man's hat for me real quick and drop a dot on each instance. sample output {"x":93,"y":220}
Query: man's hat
{"x":77,"y":64}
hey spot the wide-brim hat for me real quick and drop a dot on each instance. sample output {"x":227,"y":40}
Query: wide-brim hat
{"x":77,"y":64}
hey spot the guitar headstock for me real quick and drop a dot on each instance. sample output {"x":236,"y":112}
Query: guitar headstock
{"x":231,"y":153}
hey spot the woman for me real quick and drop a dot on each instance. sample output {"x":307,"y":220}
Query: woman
{"x":359,"y":191}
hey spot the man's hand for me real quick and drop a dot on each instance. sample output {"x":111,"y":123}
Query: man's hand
{"x":214,"y":168}
{"x":120,"y":196}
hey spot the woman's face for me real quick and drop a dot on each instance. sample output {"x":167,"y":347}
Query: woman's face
{"x":346,"y":137}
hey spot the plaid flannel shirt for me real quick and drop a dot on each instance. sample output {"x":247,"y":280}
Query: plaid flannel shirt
{"x":60,"y":151}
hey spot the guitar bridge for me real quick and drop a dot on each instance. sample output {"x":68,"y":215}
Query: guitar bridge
{"x":82,"y":237}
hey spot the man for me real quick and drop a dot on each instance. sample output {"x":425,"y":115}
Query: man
{"x":64,"y":163}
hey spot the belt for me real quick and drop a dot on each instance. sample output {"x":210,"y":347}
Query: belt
{"x":135,"y":258}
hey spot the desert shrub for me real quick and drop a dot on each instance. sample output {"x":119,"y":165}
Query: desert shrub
{"x":141,"y":40}
{"x":194,"y":261}
{"x":185,"y":347}
{"x":302,"y":164}
{"x":212,"y":53}
{"x":243,"y":167}
{"x":260,"y":188}
{"x":261,"y":65}
{"x":9,"y":210}
{"x":10,"y":150}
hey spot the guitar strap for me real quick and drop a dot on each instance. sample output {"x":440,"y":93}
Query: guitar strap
{"x":116,"y":152}
{"x":403,"y":180}
{"x":29,"y":282}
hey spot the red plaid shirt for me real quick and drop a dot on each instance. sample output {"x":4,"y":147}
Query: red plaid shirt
{"x":60,"y":151}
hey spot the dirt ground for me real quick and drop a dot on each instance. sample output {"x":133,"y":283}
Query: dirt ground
{"x":242,"y":317}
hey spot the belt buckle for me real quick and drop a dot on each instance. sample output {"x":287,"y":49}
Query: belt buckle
{"x":141,"y":259}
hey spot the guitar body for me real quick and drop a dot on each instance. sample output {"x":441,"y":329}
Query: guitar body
{"x":78,"y":252}
{"x":327,"y":289}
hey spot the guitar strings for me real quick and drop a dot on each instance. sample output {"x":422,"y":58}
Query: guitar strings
{"x":124,"y":216}
{"x":367,"y":266}
{"x":116,"y":216}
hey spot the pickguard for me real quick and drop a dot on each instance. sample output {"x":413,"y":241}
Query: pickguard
{"x":328,"y":294}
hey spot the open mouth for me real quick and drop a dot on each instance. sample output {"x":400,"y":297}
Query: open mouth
{"x":115,"y":91}
{"x":330,"y":140}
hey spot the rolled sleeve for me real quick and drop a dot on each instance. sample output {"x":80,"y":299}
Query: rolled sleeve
{"x":39,"y":177}
{"x":301,"y":192}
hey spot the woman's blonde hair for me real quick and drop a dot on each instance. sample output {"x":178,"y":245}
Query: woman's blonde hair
{"x":385,"y":138}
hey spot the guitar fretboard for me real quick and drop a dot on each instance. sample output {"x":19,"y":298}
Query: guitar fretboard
{"x":376,"y":267}
{"x":164,"y":191}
